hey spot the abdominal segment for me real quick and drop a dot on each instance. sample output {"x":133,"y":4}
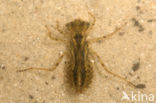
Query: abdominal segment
{"x":79,"y":71}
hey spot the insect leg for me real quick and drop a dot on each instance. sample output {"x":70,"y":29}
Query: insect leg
{"x":45,"y":69}
{"x":58,"y":28}
{"x":51,"y":37}
{"x":93,"y":21}
{"x":107,"y":35}
{"x":110,"y":72}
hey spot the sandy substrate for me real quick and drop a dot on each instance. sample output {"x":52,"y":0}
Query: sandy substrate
{"x":130,"y":53}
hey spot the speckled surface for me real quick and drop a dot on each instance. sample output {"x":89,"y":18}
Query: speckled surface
{"x":24,"y":44}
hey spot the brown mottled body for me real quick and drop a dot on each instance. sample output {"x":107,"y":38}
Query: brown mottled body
{"x":79,"y":71}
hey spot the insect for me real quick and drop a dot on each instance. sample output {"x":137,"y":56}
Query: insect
{"x":79,"y":68}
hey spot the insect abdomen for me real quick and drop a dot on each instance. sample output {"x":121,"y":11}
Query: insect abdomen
{"x":79,"y":71}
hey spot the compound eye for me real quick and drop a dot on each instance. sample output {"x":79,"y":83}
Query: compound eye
{"x":87,"y":24}
{"x":72,"y":24}
{"x":81,"y":24}
{"x":69,"y":25}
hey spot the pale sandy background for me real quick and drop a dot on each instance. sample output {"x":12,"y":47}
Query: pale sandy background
{"x":24,"y":44}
